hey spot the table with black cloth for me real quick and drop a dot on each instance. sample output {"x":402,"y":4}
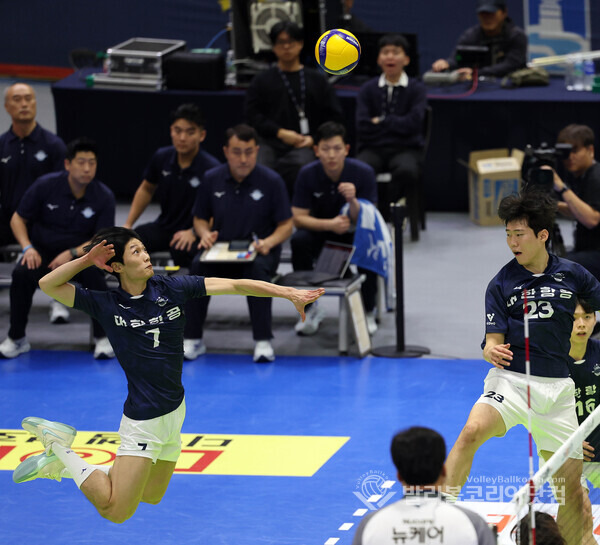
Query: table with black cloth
{"x":129,"y":125}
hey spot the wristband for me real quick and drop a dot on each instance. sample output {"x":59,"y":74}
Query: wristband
{"x":73,"y":252}
{"x":27,"y":247}
{"x":562,"y":191}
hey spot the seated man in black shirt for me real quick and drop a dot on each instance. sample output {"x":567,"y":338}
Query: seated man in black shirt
{"x":286,"y":103}
{"x":580,"y":198}
{"x":507,"y":42}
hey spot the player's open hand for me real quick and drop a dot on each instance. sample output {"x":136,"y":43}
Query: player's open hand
{"x":301,"y":298}
{"x":100,"y":254}
{"x":500,"y":355}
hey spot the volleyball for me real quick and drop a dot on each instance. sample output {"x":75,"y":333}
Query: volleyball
{"x":337,"y":51}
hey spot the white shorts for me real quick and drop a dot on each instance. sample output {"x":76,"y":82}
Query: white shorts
{"x":158,"y":438}
{"x":553,"y":417}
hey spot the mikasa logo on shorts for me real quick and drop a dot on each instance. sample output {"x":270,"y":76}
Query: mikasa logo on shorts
{"x":490,"y":318}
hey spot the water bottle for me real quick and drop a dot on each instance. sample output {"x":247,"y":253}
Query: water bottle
{"x":230,"y":76}
{"x":578,"y":75}
{"x":569,"y":75}
{"x":588,"y":74}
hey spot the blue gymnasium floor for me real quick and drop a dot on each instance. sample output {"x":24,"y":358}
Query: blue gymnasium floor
{"x":364,"y":400}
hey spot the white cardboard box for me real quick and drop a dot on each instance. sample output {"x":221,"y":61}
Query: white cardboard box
{"x":493,"y":175}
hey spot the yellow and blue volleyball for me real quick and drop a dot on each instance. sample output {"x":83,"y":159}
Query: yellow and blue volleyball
{"x":337,"y":51}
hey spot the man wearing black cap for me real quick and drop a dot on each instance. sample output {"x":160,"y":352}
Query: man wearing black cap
{"x":507,"y":42}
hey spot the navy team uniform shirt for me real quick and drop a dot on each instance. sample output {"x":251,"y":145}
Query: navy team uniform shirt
{"x":317,"y":192}
{"x":257,"y":204}
{"x":586,"y":376}
{"x":176,"y":187}
{"x":146,"y":333}
{"x":22,"y":161}
{"x":551,"y":298}
{"x":57,"y":220}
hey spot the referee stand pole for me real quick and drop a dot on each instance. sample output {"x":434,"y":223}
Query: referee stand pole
{"x":400,"y":349}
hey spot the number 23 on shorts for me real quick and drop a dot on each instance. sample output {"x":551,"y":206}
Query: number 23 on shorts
{"x":496,"y":397}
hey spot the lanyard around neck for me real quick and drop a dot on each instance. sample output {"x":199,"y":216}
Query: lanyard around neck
{"x":299,"y":105}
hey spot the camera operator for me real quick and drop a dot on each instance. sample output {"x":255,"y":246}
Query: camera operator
{"x":580,"y":197}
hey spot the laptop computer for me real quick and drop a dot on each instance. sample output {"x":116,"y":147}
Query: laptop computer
{"x":332,"y":264}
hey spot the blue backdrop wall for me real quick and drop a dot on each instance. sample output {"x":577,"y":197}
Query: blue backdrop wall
{"x":42,"y":32}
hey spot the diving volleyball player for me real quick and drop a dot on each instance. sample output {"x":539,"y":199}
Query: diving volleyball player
{"x":553,"y":285}
{"x":144,"y":321}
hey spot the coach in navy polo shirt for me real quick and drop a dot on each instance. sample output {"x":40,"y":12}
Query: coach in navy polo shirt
{"x":56,"y":217}
{"x":249,"y":202}
{"x":175,"y":173}
{"x":27,"y":151}
{"x":323,"y":187}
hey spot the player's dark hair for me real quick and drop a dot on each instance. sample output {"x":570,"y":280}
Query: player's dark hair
{"x":244,"y":132}
{"x":418,"y":454}
{"x":289,"y":27}
{"x":81,"y":144}
{"x":587,"y":307}
{"x":330,"y":129}
{"x":546,"y":530}
{"x":535,"y":207}
{"x":118,"y":237}
{"x":576,"y":135}
{"x":396,"y":40}
{"x":189,"y":112}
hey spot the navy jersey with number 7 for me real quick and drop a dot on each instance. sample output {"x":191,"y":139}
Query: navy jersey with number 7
{"x":551,"y":300}
{"x":146,"y":333}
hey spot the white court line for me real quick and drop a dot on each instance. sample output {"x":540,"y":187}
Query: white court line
{"x":346,"y":526}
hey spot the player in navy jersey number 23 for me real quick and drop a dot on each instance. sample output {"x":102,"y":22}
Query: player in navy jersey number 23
{"x":552,"y":285}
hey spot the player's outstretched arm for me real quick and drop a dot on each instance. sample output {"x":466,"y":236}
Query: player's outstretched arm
{"x":56,"y":283}
{"x":258,"y":288}
{"x":496,"y":351}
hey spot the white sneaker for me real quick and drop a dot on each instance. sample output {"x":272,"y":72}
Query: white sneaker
{"x":371,"y":323}
{"x":263,"y":352}
{"x":314,"y":317}
{"x":49,"y":432}
{"x":12,"y":349}
{"x":103,"y":350}
{"x":59,"y":313}
{"x":41,"y":466}
{"x":192,"y":348}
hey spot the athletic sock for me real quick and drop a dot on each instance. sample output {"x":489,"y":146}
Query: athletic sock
{"x":78,"y":468}
{"x":66,"y":474}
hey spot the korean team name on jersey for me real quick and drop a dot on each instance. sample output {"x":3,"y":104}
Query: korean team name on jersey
{"x":171,"y":314}
{"x":589,"y":404}
{"x":541,"y":308}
